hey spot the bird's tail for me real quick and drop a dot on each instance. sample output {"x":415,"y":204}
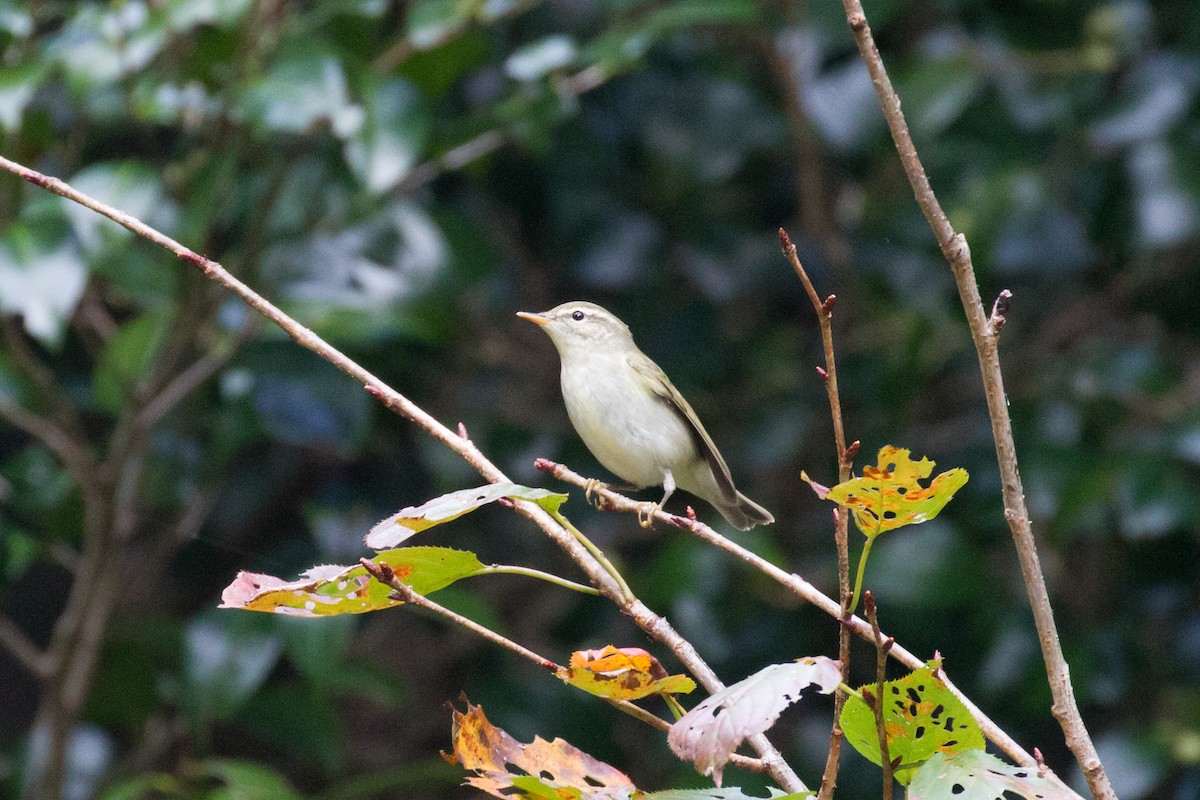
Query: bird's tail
{"x":744,"y":514}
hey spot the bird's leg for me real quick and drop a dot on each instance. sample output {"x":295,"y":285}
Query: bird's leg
{"x":646,"y":510}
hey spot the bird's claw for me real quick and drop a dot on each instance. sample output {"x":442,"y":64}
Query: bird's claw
{"x":646,"y":512}
{"x":589,"y":488}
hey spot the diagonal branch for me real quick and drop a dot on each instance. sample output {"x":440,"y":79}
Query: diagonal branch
{"x":644,"y":617}
{"x":798,"y":586}
{"x":954,"y":248}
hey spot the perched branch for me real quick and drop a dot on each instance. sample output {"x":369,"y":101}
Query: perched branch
{"x":954,"y":248}
{"x":644,"y":617}
{"x":797,"y":585}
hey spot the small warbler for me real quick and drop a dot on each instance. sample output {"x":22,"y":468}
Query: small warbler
{"x":632,"y":418}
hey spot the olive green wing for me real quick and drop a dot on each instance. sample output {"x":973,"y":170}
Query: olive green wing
{"x":662,"y":388}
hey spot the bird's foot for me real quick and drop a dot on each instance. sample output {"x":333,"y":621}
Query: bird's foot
{"x":589,"y":488}
{"x":646,"y":512}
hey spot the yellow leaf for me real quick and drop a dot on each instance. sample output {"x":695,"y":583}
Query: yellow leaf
{"x":626,"y":673}
{"x":889,"y":495}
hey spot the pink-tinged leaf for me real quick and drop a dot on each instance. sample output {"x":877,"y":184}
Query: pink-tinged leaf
{"x":331,"y":589}
{"x":406,"y":522}
{"x":818,"y":489}
{"x":976,"y":775}
{"x":710,"y":733}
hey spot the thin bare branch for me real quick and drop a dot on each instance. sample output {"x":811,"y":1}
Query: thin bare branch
{"x":841,"y":538}
{"x":22,"y":648}
{"x":955,"y":250}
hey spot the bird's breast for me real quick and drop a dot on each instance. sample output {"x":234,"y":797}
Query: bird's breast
{"x":634,"y":433}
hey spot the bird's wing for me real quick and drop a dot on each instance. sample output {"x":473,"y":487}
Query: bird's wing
{"x":663,"y":389}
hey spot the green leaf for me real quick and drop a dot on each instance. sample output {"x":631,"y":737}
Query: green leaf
{"x":226,"y":659}
{"x":403,"y":524}
{"x":41,"y":284}
{"x":300,"y":91}
{"x":977,"y":775}
{"x":889,"y":495}
{"x":128,"y":356}
{"x":432,"y":22}
{"x":389,"y":144}
{"x":331,"y":590}
{"x":245,"y":780}
{"x":17,"y":86}
{"x":921,"y":717}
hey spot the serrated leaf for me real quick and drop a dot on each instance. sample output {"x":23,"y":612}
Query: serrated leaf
{"x":889,"y":495}
{"x":499,"y":761}
{"x":406,"y":522}
{"x":710,"y":733}
{"x":627,"y":673}
{"x":977,"y":775}
{"x":921,"y":718}
{"x":331,"y":589}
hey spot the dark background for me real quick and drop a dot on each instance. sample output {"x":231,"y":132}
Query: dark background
{"x":640,"y":155}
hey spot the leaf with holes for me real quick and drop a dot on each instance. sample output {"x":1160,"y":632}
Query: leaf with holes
{"x":406,"y":522}
{"x":732,"y":793}
{"x":976,"y":775}
{"x":330,"y":589}
{"x":709,"y":733}
{"x":627,"y":673}
{"x":504,"y":767}
{"x":921,"y":717}
{"x":889,"y":495}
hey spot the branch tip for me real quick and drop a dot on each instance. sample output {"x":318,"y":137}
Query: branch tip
{"x":546,"y":465}
{"x":786,"y":242}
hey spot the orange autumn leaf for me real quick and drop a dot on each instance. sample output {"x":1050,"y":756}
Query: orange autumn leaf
{"x":503,"y":766}
{"x":627,"y":673}
{"x":889,"y":495}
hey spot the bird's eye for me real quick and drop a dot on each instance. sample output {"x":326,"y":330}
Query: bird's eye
{"x":578,"y":315}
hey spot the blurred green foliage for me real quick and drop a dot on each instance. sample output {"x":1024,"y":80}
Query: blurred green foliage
{"x":404,"y":176}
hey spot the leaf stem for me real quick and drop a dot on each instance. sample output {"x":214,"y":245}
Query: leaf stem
{"x":545,"y":576}
{"x":862,"y":568}
{"x":596,"y":552}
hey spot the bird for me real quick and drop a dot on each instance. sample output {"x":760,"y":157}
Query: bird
{"x":633,"y":419}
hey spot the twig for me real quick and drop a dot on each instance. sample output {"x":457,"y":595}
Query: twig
{"x":22,"y":648}
{"x":403,"y":592}
{"x":954,"y":248}
{"x":643,"y":616}
{"x":882,"y":645}
{"x":800,"y":587}
{"x":845,"y":459}
{"x":190,"y":379}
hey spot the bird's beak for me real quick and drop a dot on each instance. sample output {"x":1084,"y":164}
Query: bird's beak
{"x":536,"y":319}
